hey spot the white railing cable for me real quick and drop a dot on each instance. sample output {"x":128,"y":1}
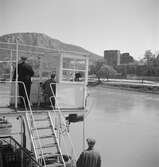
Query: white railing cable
{"x":63,"y":118}
{"x":68,"y":135}
{"x":56,"y":139}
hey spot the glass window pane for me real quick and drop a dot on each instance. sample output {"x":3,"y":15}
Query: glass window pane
{"x":80,"y":64}
{"x":73,"y":69}
{"x":68,"y":75}
{"x":68,"y":63}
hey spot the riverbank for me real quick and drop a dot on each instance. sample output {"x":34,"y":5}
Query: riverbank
{"x":145,"y":87}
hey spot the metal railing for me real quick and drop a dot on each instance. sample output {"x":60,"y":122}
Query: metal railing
{"x":62,"y":121}
{"x":16,"y":154}
{"x":57,"y":141}
{"x":30,"y":120}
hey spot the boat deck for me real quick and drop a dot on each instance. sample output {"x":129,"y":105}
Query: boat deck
{"x":39,"y":110}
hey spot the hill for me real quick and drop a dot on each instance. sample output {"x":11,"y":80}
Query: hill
{"x":42,"y":40}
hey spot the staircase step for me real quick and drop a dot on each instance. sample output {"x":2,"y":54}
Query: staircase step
{"x":49,"y":155}
{"x":41,"y":128}
{"x":55,"y":165}
{"x":41,"y":119}
{"x":47,"y":146}
{"x":44,"y":137}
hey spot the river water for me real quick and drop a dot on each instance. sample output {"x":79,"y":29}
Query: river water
{"x":125,"y":125}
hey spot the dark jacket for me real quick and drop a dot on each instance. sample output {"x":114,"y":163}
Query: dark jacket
{"x":25,"y":72}
{"x":89,"y":158}
{"x":46,"y":87}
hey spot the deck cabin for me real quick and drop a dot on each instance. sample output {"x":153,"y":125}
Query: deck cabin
{"x":71,"y":92}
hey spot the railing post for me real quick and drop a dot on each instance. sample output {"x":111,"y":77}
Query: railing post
{"x":85,"y":98}
{"x":11,"y":65}
{"x":84,"y":130}
{"x":61,"y":68}
{"x":23,"y":138}
{"x":16,"y":83}
{"x":40,"y":75}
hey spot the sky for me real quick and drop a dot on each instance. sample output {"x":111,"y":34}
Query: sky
{"x":96,"y":25}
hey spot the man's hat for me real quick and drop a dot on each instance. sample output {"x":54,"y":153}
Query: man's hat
{"x":53,"y":75}
{"x":23,"y":58}
{"x":91,"y":141}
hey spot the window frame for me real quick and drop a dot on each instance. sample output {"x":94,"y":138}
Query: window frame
{"x":73,"y":57}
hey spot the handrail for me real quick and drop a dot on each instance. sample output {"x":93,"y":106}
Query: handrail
{"x":4,"y":95}
{"x":31,"y":112}
{"x":21,"y":148}
{"x":29,"y":126}
{"x":57,"y":141}
{"x":73,"y":148}
{"x":62,"y":116}
{"x":28,"y":101}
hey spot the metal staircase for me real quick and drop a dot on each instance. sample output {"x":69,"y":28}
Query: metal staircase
{"x":46,"y":136}
{"x":47,"y":131}
{"x":44,"y":139}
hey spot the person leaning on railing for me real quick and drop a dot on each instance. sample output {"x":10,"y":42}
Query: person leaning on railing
{"x":47,"y":92}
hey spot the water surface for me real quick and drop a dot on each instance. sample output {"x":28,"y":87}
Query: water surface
{"x":125,"y":125}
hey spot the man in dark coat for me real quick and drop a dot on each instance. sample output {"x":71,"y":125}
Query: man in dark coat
{"x":89,"y":157}
{"x":77,"y":76}
{"x":47,"y":92}
{"x":25,"y":72}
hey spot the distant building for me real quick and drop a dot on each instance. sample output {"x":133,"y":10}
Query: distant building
{"x":125,"y":58}
{"x":115,"y":58}
{"x":112,"y":57}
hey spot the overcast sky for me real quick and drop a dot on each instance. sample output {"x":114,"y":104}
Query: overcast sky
{"x":96,"y":25}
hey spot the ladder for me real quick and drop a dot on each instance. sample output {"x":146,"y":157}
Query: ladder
{"x":45,"y":137}
{"x":45,"y":140}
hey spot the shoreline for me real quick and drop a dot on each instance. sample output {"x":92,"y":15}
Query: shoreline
{"x":144,"y":88}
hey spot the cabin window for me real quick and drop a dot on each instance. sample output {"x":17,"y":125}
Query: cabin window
{"x":68,"y":75}
{"x":73,"y":69}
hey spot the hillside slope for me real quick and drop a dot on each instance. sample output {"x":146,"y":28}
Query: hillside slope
{"x":42,"y":40}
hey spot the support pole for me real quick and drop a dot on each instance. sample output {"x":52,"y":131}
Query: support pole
{"x":23,"y":138}
{"x":11,"y":65}
{"x":11,"y":75}
{"x":86,"y":71}
{"x":84,"y":130}
{"x":40,"y":75}
{"x":60,"y":77}
{"x":85,"y":99}
{"x":16,"y":83}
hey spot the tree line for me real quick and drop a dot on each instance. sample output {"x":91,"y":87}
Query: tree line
{"x":148,"y":66}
